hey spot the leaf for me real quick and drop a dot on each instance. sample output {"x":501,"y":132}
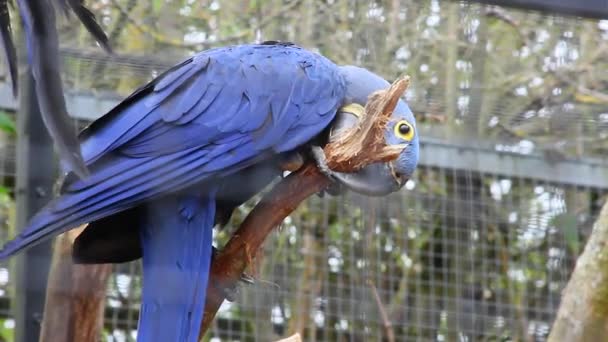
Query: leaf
{"x":5,"y":197}
{"x":7,"y":123}
{"x":566,"y":223}
{"x":157,"y":5}
{"x":7,"y":329}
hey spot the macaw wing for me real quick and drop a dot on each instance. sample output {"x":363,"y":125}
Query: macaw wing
{"x":213,"y":115}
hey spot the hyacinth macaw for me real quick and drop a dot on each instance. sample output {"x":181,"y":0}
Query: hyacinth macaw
{"x":180,"y":153}
{"x":38,"y":17}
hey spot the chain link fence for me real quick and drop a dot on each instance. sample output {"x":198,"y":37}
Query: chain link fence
{"x":458,"y":256}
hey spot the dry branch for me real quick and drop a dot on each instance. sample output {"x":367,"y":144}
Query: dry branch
{"x":361,"y":146}
{"x":386,"y":322}
{"x":239,"y":252}
{"x":75,"y":296}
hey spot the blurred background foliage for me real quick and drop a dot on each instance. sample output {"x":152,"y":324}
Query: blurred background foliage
{"x":525,"y":79}
{"x":459,"y":255}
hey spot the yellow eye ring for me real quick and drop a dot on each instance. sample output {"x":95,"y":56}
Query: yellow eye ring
{"x":404,"y":130}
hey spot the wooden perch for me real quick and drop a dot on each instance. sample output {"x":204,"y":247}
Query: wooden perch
{"x":75,"y":297}
{"x":356,"y":148}
{"x":239,"y":252}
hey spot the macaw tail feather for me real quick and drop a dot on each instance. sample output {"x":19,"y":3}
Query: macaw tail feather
{"x":176,"y":244}
{"x":43,"y":55}
{"x":87,"y":18}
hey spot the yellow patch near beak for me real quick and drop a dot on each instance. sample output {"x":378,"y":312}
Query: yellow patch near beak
{"x":355,"y":109}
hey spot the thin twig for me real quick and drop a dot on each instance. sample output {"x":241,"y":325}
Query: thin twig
{"x":386,"y":322}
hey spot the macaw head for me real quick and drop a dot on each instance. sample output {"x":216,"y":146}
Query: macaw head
{"x":380,"y":178}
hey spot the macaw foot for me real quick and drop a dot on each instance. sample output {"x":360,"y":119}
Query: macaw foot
{"x":247,"y":279}
{"x":336,"y":188}
{"x":294,"y":161}
{"x":230,"y":292}
{"x":319,"y":157}
{"x":291,"y":161}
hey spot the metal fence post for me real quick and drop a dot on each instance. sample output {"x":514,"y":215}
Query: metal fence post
{"x":34,"y":187}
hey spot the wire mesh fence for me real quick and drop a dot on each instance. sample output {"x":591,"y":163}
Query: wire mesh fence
{"x":461,"y":254}
{"x":457,"y":256}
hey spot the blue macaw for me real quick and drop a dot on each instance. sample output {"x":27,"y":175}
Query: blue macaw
{"x":180,"y":153}
{"x":38,"y":17}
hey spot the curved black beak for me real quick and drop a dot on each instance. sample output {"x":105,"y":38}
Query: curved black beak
{"x":378,"y":179}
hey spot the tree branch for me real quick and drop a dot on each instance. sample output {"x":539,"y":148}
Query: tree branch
{"x":386,"y":322}
{"x":362,"y":145}
{"x":75,"y":296}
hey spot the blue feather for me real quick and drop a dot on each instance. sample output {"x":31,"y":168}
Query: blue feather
{"x":217,"y":113}
{"x":166,"y":149}
{"x":169,"y":78}
{"x":176,"y":244}
{"x":42,"y":43}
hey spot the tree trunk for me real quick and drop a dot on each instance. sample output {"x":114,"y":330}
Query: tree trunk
{"x":75,"y":297}
{"x":583,"y":313}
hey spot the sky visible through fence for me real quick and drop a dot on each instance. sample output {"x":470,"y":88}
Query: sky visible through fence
{"x":465,"y":252}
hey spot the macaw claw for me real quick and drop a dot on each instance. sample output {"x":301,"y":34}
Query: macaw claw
{"x":247,"y":279}
{"x":230,"y":292}
{"x":291,"y":162}
{"x":319,"y":157}
{"x":336,"y":187}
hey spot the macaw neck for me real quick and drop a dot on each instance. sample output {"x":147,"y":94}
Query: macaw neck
{"x":360,"y":83}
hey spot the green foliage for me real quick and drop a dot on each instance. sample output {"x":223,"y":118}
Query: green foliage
{"x":7,"y":123}
{"x":7,"y":330}
{"x":157,"y":5}
{"x":567,"y":224}
{"x":500,"y":74}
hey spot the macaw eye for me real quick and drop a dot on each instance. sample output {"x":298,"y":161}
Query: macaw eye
{"x":404,"y":130}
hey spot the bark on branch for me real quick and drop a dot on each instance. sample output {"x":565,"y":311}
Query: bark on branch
{"x":75,"y":297}
{"x":361,"y":146}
